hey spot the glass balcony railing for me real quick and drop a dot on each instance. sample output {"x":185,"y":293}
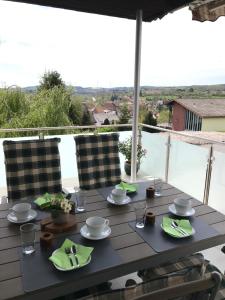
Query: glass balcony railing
{"x":183,"y":164}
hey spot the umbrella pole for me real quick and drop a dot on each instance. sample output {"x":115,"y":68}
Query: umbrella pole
{"x":136,"y":94}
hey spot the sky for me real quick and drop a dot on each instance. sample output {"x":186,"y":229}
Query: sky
{"x":97,"y":51}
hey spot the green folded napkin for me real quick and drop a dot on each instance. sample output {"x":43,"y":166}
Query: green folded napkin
{"x":43,"y":201}
{"x":183,"y":224}
{"x":127,"y":186}
{"x":61,"y":259}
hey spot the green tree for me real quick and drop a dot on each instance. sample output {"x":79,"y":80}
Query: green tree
{"x":150,"y":120}
{"x":13,"y":104}
{"x":87,"y":119}
{"x":49,"y":108}
{"x":164,"y":116}
{"x":50,"y":80}
{"x":75,"y":111}
{"x":106,"y":122}
{"x":124,"y":114}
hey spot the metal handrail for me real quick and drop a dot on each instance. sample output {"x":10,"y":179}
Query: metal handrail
{"x":38,"y":129}
{"x":181,"y":134}
{"x":61,"y":128}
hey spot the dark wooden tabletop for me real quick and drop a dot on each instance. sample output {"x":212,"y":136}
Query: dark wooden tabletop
{"x":135,"y":253}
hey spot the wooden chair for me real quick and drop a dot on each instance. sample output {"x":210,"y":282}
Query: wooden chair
{"x":205,"y":288}
{"x":202,"y":289}
{"x":32,"y":168}
{"x":98,"y":160}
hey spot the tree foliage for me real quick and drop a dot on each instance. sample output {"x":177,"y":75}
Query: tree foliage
{"x":51,"y":79}
{"x":87,"y":119}
{"x":46,"y":108}
{"x":106,"y":122}
{"x":124,"y":114}
{"x":75,"y":111}
{"x":150,"y":120}
{"x":13,"y":103}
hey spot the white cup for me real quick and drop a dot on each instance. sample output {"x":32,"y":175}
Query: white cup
{"x":21,"y":210}
{"x":96,"y":225}
{"x":118,"y":195}
{"x":182,"y":205}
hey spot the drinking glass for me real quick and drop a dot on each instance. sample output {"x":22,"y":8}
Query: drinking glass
{"x":158,"y":183}
{"x":28,"y":233}
{"x":140,"y":210}
{"x":79,"y":200}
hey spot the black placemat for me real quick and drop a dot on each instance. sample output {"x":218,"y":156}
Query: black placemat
{"x":161,"y":241}
{"x":137,"y":196}
{"x":38,"y":272}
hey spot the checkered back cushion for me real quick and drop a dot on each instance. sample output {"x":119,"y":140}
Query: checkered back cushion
{"x":98,"y":160}
{"x":32,"y":168}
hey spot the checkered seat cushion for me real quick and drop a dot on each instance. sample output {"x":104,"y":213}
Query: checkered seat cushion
{"x":98,"y":160}
{"x":32,"y":168}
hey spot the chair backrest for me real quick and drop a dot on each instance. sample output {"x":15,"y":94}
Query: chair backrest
{"x":32,"y":168}
{"x":98,"y":160}
{"x":201,"y":289}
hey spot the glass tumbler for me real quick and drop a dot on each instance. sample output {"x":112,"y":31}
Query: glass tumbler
{"x":140,"y":211}
{"x":79,"y":200}
{"x":28,"y":235}
{"x":158,"y":183}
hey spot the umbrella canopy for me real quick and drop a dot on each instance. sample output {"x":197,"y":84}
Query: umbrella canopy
{"x":152,"y":9}
{"x":207,"y":10}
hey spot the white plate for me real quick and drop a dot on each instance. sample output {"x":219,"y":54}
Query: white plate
{"x":85,"y":233}
{"x":13,"y":219}
{"x":179,"y":237}
{"x":189,"y":213}
{"x":126,"y":200}
{"x":72,"y":268}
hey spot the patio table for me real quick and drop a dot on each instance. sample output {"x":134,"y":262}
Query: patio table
{"x":134,"y":252}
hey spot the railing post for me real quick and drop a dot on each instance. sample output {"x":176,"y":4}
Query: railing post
{"x":168,"y":145}
{"x":136,"y":94}
{"x":208,"y":176}
{"x":41,"y":136}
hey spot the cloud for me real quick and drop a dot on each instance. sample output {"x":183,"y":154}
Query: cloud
{"x":91,"y":50}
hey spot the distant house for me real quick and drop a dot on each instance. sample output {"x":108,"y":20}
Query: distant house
{"x":198,"y":114}
{"x":105,"y":111}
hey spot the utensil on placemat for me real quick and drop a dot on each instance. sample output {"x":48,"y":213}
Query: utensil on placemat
{"x":73,"y":250}
{"x":179,"y":229}
{"x":67,"y":251}
{"x":64,"y":260}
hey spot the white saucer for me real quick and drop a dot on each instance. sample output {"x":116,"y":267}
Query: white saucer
{"x":13,"y":219}
{"x":72,"y":268}
{"x":85,"y":233}
{"x":126,"y":200}
{"x":189,"y":213}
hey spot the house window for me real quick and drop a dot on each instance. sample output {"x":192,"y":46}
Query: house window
{"x":192,"y":121}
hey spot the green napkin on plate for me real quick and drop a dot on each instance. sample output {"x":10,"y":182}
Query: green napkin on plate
{"x":43,"y":201}
{"x":183,"y":224}
{"x":61,"y":259}
{"x":130,"y":188}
